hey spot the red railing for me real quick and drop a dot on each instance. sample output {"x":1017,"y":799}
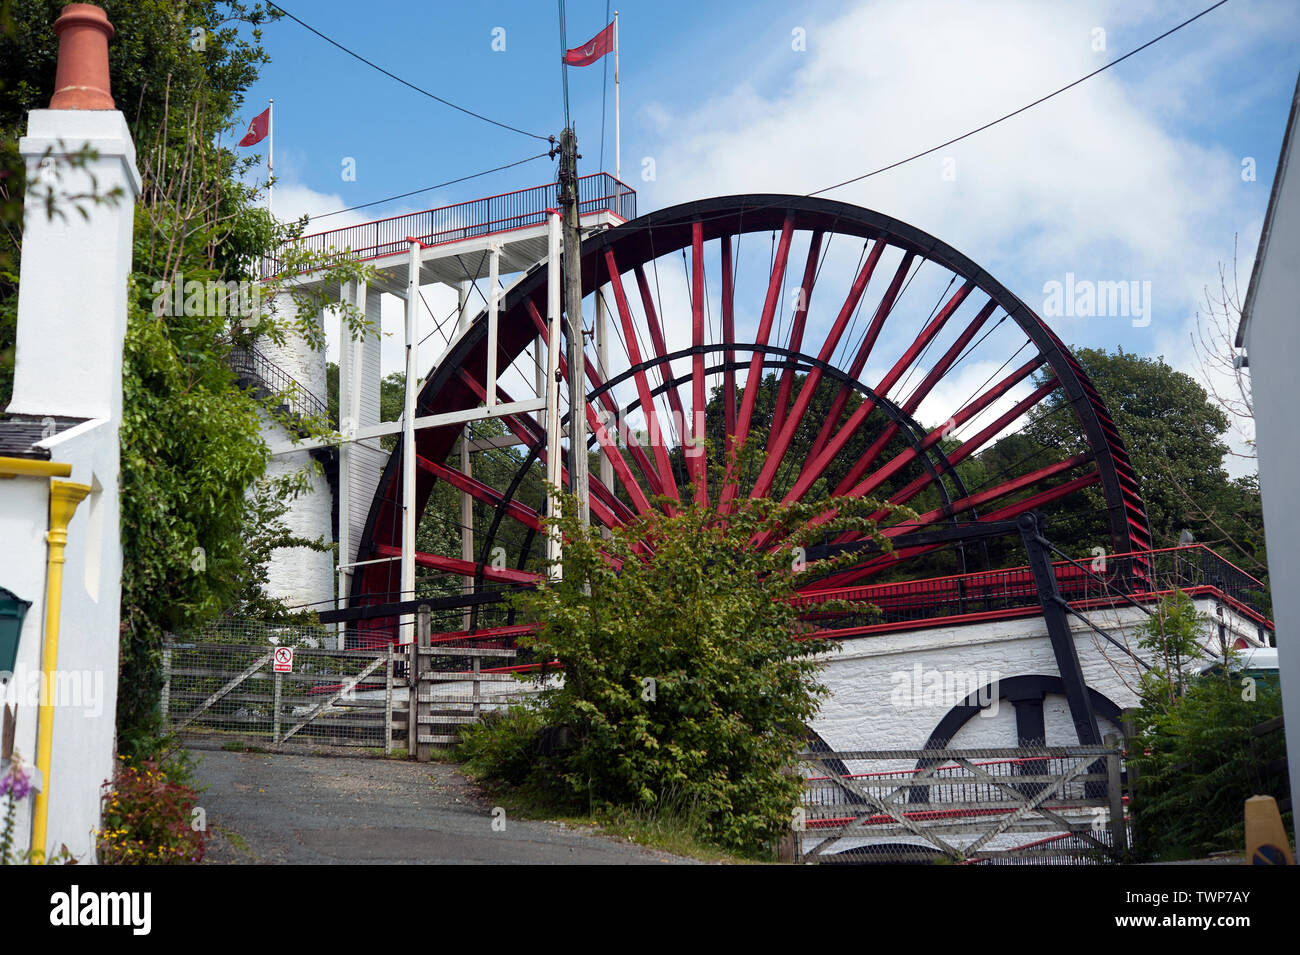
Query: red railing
{"x":599,"y":192}
{"x":999,"y":593}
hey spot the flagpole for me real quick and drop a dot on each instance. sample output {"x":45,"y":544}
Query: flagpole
{"x":270,"y":151}
{"x":618,"y":155}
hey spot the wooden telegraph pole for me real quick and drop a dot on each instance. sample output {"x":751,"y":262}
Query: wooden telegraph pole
{"x":578,"y":483}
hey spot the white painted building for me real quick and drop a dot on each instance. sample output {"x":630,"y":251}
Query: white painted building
{"x":59,"y":448}
{"x":1270,"y":334}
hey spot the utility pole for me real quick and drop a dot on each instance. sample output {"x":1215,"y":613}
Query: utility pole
{"x":578,"y":483}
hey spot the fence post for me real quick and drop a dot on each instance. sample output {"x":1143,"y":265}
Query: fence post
{"x":166,"y":701}
{"x":1114,"y":789}
{"x":477,"y":677}
{"x":1128,"y":726}
{"x":275,"y":718}
{"x":388,"y":700}
{"x":423,"y":626}
{"x":412,"y":686}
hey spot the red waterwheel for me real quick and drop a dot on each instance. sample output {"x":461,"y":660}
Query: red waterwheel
{"x":864,"y":356}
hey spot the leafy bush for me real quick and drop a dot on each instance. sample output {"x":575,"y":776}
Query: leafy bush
{"x":683,"y":673}
{"x":503,"y":747}
{"x":148,"y":817}
{"x":1200,"y":763}
{"x":1195,"y":756}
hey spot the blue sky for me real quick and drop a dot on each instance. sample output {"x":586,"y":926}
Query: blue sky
{"x":1133,"y":176}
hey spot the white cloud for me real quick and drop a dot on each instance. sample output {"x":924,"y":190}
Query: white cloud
{"x":1102,"y":181}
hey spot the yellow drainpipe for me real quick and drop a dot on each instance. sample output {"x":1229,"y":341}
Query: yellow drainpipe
{"x":28,"y":467}
{"x":64,"y":498}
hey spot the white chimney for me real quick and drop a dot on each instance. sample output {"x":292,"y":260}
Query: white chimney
{"x":72,"y":282}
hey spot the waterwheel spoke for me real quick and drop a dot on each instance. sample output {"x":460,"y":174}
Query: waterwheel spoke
{"x":778,"y":446}
{"x":606,"y":506}
{"x":966,"y":413}
{"x":658,"y":443}
{"x":481,"y":492}
{"x":608,"y":444}
{"x":904,"y":551}
{"x":658,"y":343}
{"x":833,"y":447}
{"x":883,"y":309}
{"x":728,"y":337}
{"x":463,"y":568}
{"x":796,"y":329}
{"x":693,"y":447}
{"x":915,"y":398}
{"x":754,"y":377}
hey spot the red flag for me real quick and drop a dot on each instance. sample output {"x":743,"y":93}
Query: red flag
{"x":257,"y":129}
{"x":601,"y":43}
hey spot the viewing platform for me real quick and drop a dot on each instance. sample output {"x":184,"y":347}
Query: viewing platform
{"x":455,"y":237}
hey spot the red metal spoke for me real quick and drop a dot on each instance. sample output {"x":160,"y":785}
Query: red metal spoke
{"x":883,"y":309}
{"x":609,"y":447}
{"x":658,"y":442}
{"x":1006,"y":513}
{"x":693,"y":447}
{"x":796,"y":329}
{"x":660,"y":346}
{"x":1000,"y":490}
{"x":916,"y":397}
{"x":937,"y":434}
{"x":728,"y":336}
{"x":530,"y":434}
{"x":481,"y":492}
{"x":967,"y":448}
{"x":755,"y":375}
{"x":780,"y":442}
{"x":463,"y":568}
{"x":818,"y":465}
{"x":639,"y":500}
{"x":973,"y":444}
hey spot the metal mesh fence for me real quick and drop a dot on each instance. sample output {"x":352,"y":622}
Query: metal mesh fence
{"x":1001,"y":806}
{"x":230,"y":693}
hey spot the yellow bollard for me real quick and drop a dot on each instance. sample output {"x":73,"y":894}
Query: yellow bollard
{"x":1266,"y":841}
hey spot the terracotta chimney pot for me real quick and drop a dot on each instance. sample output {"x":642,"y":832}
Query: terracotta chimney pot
{"x":82,"y":78}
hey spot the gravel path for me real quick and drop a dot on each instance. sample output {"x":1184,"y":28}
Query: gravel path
{"x":277,"y":808}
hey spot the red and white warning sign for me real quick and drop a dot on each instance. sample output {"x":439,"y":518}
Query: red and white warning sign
{"x":283,"y":659}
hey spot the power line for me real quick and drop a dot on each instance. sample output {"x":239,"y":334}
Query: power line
{"x":967,"y":135}
{"x":1028,"y":106}
{"x":564,"y":59}
{"x":440,"y":185}
{"x":407,"y":83}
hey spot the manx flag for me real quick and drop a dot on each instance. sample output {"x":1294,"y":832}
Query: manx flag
{"x":590,"y":52}
{"x":257,"y":129}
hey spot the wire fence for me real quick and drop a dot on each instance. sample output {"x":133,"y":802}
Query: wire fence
{"x":1024,"y":805}
{"x":251,"y":683}
{"x":230,"y":693}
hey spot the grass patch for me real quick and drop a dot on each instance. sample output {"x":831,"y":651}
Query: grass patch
{"x":668,"y":828}
{"x":241,"y":747}
{"x":236,"y":842}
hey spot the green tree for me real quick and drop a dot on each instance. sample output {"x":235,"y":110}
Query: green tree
{"x":1174,"y":436}
{"x":191,"y":437}
{"x":1173,"y":636}
{"x":1195,"y":758}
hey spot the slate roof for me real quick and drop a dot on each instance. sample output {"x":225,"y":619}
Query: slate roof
{"x":19,"y":435}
